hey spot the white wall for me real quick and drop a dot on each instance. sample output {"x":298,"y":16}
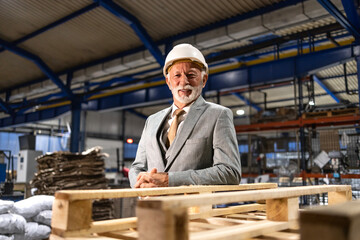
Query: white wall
{"x":109,"y":147}
{"x":110,"y":123}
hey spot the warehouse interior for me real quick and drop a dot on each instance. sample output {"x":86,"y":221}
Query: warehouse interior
{"x":83,"y":77}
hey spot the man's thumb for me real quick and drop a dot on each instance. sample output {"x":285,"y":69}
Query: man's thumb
{"x":154,"y":170}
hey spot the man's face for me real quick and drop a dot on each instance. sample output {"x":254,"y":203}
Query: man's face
{"x":185,"y":82}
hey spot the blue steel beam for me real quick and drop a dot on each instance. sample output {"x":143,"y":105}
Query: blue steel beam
{"x":352,"y":9}
{"x":55,"y":24}
{"x":134,"y":23}
{"x":247,"y":101}
{"x":327,"y":90}
{"x":34,"y":116}
{"x":40,"y":63}
{"x":166,"y":41}
{"x":112,"y":81}
{"x":357,"y":58}
{"x":265,"y":73}
{"x":331,"y":8}
{"x":6,"y":107}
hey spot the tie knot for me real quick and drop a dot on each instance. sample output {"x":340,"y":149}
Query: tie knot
{"x":179,"y":112}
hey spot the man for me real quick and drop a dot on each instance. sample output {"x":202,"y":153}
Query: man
{"x":193,"y":142}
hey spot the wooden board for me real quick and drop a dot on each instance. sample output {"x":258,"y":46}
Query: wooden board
{"x":72,"y":195}
{"x":171,"y":202}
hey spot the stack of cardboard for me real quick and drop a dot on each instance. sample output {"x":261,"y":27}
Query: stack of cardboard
{"x":65,"y":170}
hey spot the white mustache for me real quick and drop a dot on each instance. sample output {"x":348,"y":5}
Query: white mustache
{"x":187,"y":87}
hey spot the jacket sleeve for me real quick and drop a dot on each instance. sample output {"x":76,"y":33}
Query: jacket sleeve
{"x":140,"y":163}
{"x":226,"y":167}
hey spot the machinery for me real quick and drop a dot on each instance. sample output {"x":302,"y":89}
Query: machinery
{"x":337,"y":163}
{"x":6,"y":176}
{"x":26,"y":165}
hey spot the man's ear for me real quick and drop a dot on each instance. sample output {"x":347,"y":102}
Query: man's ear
{"x":205,"y":78}
{"x":168,"y":82}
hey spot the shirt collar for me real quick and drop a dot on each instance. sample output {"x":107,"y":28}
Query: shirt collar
{"x":186,"y":109}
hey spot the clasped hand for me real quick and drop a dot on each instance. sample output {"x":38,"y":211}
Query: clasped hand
{"x":152,"y":179}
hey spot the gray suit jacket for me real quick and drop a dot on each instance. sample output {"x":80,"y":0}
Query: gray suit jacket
{"x":204,"y":152}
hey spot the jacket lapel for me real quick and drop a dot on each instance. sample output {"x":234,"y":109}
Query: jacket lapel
{"x":155,"y":136}
{"x":189,"y":123}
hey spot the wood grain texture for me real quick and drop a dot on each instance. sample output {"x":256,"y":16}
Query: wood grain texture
{"x":282,"y":209}
{"x":74,"y":215}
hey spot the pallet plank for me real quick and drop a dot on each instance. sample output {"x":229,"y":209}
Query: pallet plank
{"x":230,"y":210}
{"x":72,"y":195}
{"x":171,"y":202}
{"x":244,"y":232}
{"x":101,"y":227}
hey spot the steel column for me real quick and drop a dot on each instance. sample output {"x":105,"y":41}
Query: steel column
{"x":75,"y":126}
{"x":357,"y":58}
{"x":302,"y":130}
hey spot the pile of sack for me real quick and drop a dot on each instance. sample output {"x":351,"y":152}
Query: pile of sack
{"x":28,"y":219}
{"x":74,"y":171}
{"x":66,"y":170}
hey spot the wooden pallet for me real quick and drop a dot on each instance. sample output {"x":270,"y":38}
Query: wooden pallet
{"x":72,"y":208}
{"x":331,"y":113}
{"x":168,"y":217}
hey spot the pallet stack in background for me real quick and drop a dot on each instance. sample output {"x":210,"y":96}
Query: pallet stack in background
{"x":70,"y":171}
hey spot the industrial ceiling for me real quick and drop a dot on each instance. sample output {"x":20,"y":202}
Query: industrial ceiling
{"x":107,"y":54}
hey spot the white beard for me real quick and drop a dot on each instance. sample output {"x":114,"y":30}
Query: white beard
{"x":195,"y":93}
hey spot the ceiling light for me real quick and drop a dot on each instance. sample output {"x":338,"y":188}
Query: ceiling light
{"x":240,"y":112}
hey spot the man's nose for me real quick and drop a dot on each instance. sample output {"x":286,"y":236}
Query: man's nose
{"x":184,"y":80}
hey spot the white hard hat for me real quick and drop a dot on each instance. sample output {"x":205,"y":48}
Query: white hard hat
{"x":184,"y":51}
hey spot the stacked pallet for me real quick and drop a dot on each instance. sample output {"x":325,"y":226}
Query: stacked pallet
{"x":65,"y":170}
